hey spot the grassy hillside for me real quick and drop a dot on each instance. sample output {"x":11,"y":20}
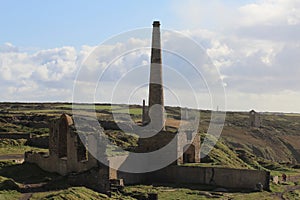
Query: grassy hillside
{"x":277,"y":139}
{"x":275,"y":147}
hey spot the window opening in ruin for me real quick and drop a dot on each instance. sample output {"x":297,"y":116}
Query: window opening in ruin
{"x":62,"y":139}
{"x":82,"y":153}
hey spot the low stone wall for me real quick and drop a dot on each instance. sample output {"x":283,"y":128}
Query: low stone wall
{"x":96,"y":179}
{"x":62,"y":166}
{"x":219,"y":177}
{"x":47,"y":163}
{"x":131,"y":178}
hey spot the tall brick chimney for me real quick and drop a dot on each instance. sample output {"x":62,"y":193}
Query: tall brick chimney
{"x":156,"y":94}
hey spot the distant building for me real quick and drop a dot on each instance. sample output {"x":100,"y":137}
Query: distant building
{"x":254,"y":119}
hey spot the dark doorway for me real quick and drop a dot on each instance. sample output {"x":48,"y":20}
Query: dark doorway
{"x":189,"y":154}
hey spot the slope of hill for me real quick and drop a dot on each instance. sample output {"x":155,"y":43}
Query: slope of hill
{"x":274,"y":146}
{"x":277,"y":139}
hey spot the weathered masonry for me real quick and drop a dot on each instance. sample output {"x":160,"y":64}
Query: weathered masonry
{"x":254,"y":119}
{"x":68,"y":155}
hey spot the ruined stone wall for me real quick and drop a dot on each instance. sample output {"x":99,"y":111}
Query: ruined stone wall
{"x":67,"y":153}
{"x":156,"y":142}
{"x":132,"y":178}
{"x":96,"y":179}
{"x":220,"y":177}
{"x":254,"y":119}
{"x":47,"y":163}
{"x":59,"y":165}
{"x":53,"y":138}
{"x":188,"y":153}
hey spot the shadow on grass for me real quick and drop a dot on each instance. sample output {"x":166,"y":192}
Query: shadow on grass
{"x":33,"y":179}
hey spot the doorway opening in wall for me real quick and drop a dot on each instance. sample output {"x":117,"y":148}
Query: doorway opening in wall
{"x":189,"y":154}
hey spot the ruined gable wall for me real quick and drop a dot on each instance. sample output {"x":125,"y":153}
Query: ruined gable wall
{"x":183,"y":139}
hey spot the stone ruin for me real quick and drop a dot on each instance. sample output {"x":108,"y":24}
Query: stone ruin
{"x":71,"y":153}
{"x":68,"y":156}
{"x":155,"y":115}
{"x":254,"y":119}
{"x":67,"y":148}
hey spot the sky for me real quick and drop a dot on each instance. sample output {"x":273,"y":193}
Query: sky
{"x":253,"y":44}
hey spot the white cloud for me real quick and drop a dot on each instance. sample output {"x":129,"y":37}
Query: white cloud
{"x":256,"y":48}
{"x":214,"y":14}
{"x":8,"y":47}
{"x":284,"y":100}
{"x":270,"y":13}
{"x":25,"y":76}
{"x":48,"y":73}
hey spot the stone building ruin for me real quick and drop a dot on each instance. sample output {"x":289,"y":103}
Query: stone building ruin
{"x":74,"y":160}
{"x":155,"y":111}
{"x":68,"y":155}
{"x":254,"y":119}
{"x":189,"y":153}
{"x":71,"y":153}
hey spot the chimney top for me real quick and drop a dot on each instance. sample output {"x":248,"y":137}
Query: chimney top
{"x":156,"y":24}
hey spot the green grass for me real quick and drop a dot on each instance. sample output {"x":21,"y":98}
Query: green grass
{"x":132,"y":111}
{"x":227,"y":152}
{"x":9,"y":194}
{"x":123,"y":141}
{"x":191,"y":192}
{"x":292,"y":195}
{"x":286,"y":170}
{"x":292,"y":114}
{"x":29,"y":173}
{"x":276,"y":187}
{"x":74,"y":193}
{"x":11,"y":146}
{"x":168,"y":193}
{"x":88,"y":106}
{"x":25,"y":173}
{"x":221,"y":155}
{"x":18,"y":128}
{"x":253,"y":196}
{"x":19,"y":149}
{"x":40,"y":111}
